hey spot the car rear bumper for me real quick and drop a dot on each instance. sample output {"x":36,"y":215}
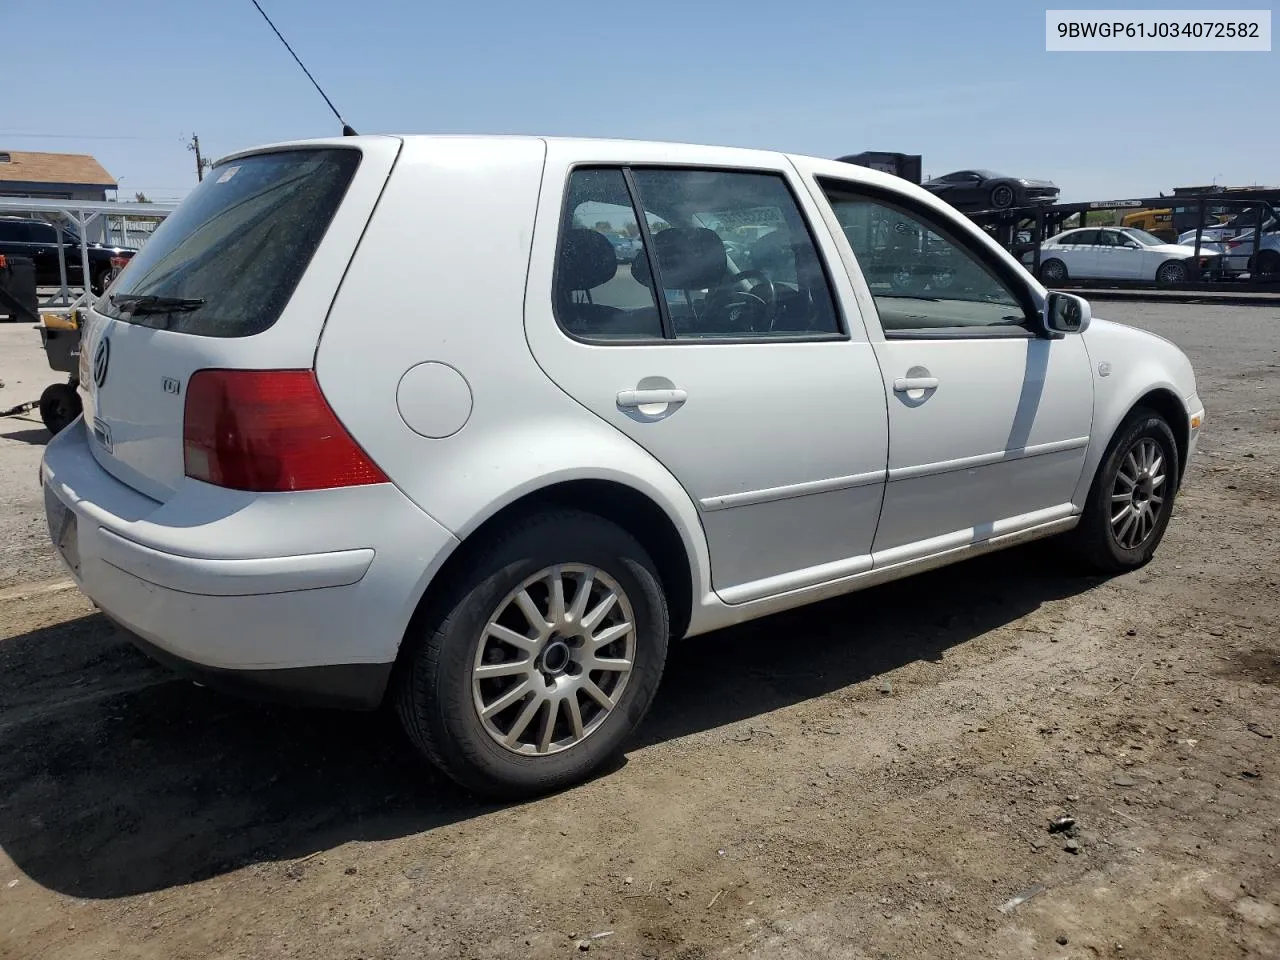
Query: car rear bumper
{"x":218,"y":583}
{"x":346,"y":686}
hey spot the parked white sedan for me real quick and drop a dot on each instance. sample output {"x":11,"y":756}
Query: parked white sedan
{"x":1116,"y":253}
{"x":497,"y":511}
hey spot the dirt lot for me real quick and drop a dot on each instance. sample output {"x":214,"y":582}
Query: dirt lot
{"x":870,"y":778}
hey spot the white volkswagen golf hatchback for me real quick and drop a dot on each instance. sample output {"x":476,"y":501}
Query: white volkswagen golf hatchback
{"x":477,"y":425}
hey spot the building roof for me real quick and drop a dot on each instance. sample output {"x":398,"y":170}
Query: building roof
{"x":78,"y":169}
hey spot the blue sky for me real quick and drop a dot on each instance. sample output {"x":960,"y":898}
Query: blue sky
{"x":963,"y":84}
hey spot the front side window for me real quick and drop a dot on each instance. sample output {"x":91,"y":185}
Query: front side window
{"x":729,"y":256}
{"x":45,"y":233}
{"x":920,"y":277}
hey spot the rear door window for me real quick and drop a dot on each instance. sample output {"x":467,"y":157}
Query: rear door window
{"x":732,"y":252}
{"x":225,"y":263}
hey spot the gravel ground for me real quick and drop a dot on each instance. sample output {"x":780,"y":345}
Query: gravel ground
{"x":870,"y":778}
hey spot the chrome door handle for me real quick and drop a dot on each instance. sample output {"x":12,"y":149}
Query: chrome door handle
{"x":905,"y":384}
{"x":640,"y":398}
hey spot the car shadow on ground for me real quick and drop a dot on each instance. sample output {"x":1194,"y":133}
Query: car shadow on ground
{"x":39,"y":436}
{"x":117,"y":779}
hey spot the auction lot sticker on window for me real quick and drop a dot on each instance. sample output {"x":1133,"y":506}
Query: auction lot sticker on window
{"x":1168,"y":30}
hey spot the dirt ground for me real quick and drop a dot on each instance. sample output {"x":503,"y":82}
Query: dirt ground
{"x":871,"y":778}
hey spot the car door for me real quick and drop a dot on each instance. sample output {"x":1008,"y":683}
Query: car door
{"x":13,"y":238}
{"x":1080,"y":253}
{"x":44,"y":251}
{"x":754,"y":389}
{"x":1133,"y":257}
{"x":1117,"y":259}
{"x":969,"y":191}
{"x":989,"y":418}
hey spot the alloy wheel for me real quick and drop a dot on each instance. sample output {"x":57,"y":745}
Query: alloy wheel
{"x":1138,"y":494}
{"x":553,"y":660}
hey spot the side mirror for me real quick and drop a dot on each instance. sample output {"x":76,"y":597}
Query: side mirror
{"x":1066,"y":313}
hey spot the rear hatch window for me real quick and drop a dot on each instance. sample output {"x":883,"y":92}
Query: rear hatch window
{"x":225,"y":263}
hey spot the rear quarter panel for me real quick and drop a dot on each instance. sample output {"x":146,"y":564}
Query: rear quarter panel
{"x":440,"y":278}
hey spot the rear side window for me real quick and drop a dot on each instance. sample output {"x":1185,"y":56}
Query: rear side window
{"x":13,"y":232}
{"x":225,"y":263}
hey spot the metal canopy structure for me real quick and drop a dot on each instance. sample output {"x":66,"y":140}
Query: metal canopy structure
{"x":82,"y":214}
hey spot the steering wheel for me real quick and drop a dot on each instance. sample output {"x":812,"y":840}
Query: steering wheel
{"x":759,"y":304}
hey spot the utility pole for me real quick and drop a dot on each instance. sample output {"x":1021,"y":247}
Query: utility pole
{"x":194,"y":145}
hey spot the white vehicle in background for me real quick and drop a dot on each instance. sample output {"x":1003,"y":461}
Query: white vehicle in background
{"x":1237,"y":226}
{"x":1117,"y":253}
{"x":1239,"y":253}
{"x":497,"y":512}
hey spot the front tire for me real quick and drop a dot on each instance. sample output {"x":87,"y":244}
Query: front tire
{"x":1131,"y":500}
{"x":1171,"y":272}
{"x":537,"y":662}
{"x":1003,"y":196}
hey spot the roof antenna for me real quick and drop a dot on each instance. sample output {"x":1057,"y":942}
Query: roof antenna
{"x":347,"y":130}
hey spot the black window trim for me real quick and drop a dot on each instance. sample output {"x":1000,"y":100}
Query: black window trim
{"x":669,"y":339}
{"x":1021,"y":290}
{"x":657,"y":287}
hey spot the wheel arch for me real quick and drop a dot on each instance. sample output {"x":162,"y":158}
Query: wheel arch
{"x":1166,"y":403}
{"x":635,"y":511}
{"x":1163,"y":399}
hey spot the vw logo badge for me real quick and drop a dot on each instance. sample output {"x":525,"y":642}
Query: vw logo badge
{"x":101,"y":357}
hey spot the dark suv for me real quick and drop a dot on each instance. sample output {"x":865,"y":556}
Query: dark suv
{"x":39,"y":241}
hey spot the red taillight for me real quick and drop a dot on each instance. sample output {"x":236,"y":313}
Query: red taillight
{"x":268,"y":430}
{"x":119,"y":263}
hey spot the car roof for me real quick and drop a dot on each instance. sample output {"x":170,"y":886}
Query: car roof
{"x":647,"y":151}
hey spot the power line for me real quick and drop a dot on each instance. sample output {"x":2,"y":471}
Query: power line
{"x":77,"y":136}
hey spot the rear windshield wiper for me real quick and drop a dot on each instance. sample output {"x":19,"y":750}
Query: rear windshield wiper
{"x":150,"y":303}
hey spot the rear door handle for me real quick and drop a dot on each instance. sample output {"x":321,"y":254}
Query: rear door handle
{"x":905,"y":384}
{"x":640,"y":398}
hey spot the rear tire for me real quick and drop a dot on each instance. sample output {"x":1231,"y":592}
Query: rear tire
{"x":476,"y":647}
{"x":102,"y":280}
{"x":1053,"y":271}
{"x":1123,"y":523}
{"x":59,"y":406}
{"x":1269,"y":265}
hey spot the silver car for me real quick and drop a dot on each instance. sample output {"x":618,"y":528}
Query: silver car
{"x":498,"y":513}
